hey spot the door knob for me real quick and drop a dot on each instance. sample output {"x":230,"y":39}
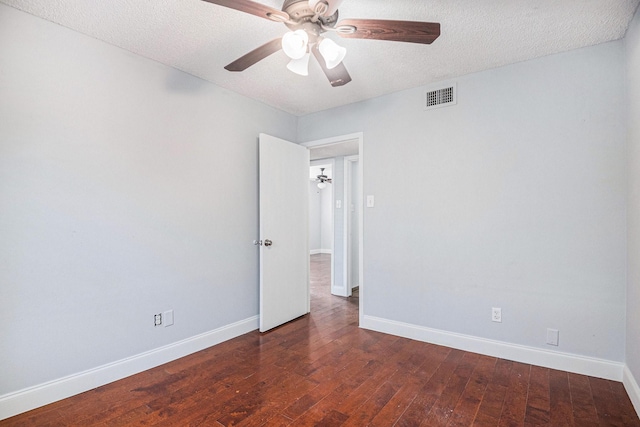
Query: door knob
{"x":268,"y":242}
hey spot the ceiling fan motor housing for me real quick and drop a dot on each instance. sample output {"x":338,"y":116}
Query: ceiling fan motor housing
{"x":300,"y":13}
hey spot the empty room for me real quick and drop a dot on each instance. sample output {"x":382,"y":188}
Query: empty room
{"x":480,"y":262}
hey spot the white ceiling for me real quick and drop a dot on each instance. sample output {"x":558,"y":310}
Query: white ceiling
{"x":201,"y":38}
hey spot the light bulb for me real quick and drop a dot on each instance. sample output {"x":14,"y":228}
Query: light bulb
{"x":332,"y":53}
{"x":300,"y":66}
{"x":294,"y":44}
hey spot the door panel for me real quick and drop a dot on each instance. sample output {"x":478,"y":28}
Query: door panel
{"x":284,"y":221}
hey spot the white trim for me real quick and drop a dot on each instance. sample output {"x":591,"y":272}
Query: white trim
{"x":346,"y":225}
{"x":631,"y":385}
{"x":333,"y":140}
{"x":535,"y":356}
{"x":361,"y":228}
{"x":42,"y":394}
{"x":346,"y":214}
{"x":320,"y":251}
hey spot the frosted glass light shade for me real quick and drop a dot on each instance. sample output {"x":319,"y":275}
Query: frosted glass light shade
{"x":294,"y":44}
{"x":332,"y":53}
{"x":322,"y":185}
{"x":300,"y":66}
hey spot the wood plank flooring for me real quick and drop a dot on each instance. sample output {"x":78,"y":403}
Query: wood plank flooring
{"x":323,"y":370}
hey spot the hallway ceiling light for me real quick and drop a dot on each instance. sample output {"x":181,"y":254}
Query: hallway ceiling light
{"x":322,"y":179}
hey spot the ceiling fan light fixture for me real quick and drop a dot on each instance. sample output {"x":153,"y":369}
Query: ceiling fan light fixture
{"x":322,"y":185}
{"x":294,"y":44}
{"x":326,"y":8}
{"x":319,"y":6}
{"x":332,"y":53}
{"x":300,"y":66}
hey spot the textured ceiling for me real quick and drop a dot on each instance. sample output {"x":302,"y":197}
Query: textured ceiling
{"x":201,"y":38}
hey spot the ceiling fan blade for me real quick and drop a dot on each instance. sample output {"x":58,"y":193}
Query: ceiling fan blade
{"x":399,"y":31}
{"x":338,"y":76}
{"x":253,"y":8}
{"x":255,"y":55}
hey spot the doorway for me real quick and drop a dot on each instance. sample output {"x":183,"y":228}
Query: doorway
{"x":341,"y":155}
{"x":321,"y":214}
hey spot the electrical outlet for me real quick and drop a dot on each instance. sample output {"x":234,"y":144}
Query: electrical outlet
{"x":157,"y":319}
{"x":496,"y":314}
{"x":553,"y":336}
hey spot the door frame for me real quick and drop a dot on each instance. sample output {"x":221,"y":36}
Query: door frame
{"x":335,"y":140}
{"x":346,"y":239}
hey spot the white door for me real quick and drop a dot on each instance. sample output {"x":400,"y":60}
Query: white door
{"x":284,"y":228}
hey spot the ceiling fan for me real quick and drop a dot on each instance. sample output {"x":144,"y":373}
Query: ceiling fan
{"x":308,"y":20}
{"x":322,"y":179}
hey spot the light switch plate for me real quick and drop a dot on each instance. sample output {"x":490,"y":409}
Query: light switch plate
{"x":370,"y":201}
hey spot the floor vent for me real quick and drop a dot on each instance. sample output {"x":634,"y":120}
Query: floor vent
{"x":441,"y":97}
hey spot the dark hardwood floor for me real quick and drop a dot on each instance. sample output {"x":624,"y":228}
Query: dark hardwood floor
{"x":323,"y":370}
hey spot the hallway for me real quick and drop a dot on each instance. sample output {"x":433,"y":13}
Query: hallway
{"x":321,"y":298}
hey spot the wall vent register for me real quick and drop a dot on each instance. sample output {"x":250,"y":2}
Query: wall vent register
{"x":441,"y":97}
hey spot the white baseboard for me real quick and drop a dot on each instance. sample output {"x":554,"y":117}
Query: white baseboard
{"x":631,"y":385}
{"x":549,"y":359}
{"x":33,"y":397}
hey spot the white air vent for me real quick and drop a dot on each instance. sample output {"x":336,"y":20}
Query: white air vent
{"x":440,"y":97}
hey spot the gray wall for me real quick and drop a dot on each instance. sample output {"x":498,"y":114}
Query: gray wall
{"x":320,"y":217}
{"x":126,"y":188}
{"x":632,"y":44}
{"x":320,"y":238}
{"x":326,"y":219}
{"x":514,"y":198}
